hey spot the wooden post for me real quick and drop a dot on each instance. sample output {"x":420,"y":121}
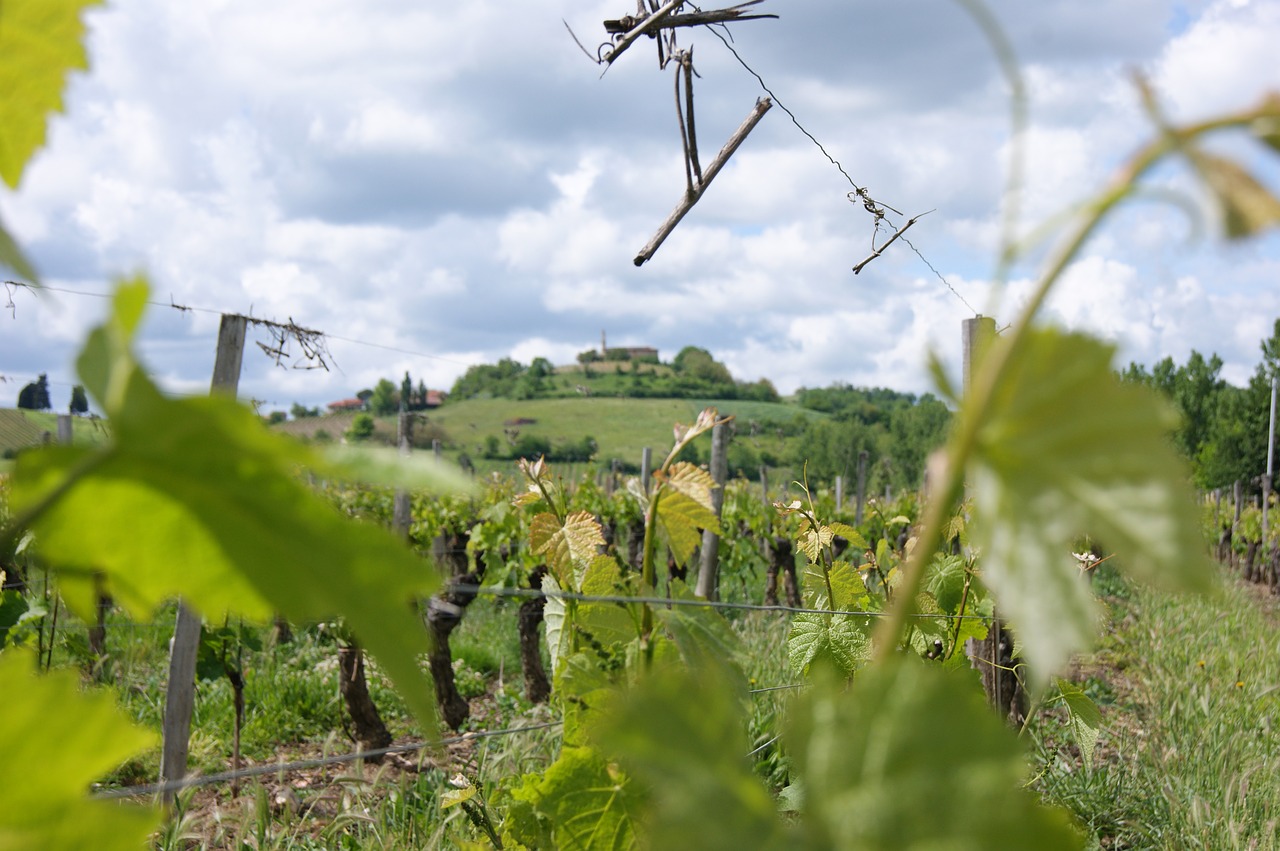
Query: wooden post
{"x":646,"y":468}
{"x":64,"y":429}
{"x":839,"y":494}
{"x":1266,"y":478}
{"x":708,"y":586}
{"x":401,"y":513}
{"x":179,"y":701}
{"x":437,"y":449}
{"x":862,"y":487}
{"x":764,"y":485}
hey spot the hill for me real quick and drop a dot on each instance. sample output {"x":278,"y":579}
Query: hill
{"x":620,"y":428}
{"x":20,"y":429}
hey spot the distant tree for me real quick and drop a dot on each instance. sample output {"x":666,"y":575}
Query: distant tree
{"x":35,"y":396}
{"x":365,"y":395}
{"x":362,"y":426}
{"x":276,"y":417}
{"x":79,"y":401}
{"x":406,"y":393}
{"x":299,"y":412}
{"x":384,"y":400}
{"x":422,"y":394}
{"x":589,"y":356}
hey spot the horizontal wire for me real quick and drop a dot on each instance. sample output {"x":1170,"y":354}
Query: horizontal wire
{"x":696,"y":603}
{"x":301,"y":765}
{"x":216,"y":312}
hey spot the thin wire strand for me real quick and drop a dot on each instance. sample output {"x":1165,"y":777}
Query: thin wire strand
{"x":623,"y":599}
{"x":301,"y":765}
{"x":214,"y":311}
{"x":858,"y":189}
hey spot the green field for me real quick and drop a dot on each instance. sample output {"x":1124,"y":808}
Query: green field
{"x":622,"y":428}
{"x":20,"y":429}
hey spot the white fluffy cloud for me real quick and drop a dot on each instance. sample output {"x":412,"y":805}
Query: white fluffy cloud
{"x":442,"y":185}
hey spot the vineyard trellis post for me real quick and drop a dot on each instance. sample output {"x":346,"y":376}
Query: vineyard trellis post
{"x":862,"y":487}
{"x":708,"y":584}
{"x":64,"y":429}
{"x":839,"y":494}
{"x":1266,"y":478}
{"x":401,"y":516}
{"x":993,"y":654}
{"x":179,"y":701}
{"x":646,"y":467}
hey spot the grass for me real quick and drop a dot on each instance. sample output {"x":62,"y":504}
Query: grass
{"x":1190,"y":694}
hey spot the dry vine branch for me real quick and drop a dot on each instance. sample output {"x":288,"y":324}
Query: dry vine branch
{"x":876,"y":252}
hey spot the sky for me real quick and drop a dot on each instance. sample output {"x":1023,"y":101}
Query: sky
{"x":435,"y":185}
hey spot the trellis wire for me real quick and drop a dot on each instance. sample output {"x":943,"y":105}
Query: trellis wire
{"x":304,"y":764}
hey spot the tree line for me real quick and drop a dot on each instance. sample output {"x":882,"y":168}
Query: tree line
{"x":1223,"y":429}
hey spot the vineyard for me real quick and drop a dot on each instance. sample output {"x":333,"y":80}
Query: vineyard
{"x":217,"y":636}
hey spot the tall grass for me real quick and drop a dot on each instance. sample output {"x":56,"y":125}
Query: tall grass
{"x":1190,"y":692}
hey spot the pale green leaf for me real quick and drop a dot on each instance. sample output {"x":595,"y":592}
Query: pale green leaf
{"x":604,"y":626}
{"x":910,"y":757}
{"x":40,"y":43}
{"x":56,"y":740}
{"x":1067,"y":449}
{"x":454,"y":797}
{"x":842,"y":640}
{"x":195,"y":498}
{"x":1084,"y":719}
{"x":388,"y":467}
{"x":553,"y":622}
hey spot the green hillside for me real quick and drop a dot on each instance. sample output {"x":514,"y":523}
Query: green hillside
{"x":622,"y":428}
{"x":20,"y":429}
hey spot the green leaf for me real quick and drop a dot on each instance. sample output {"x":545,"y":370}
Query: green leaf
{"x":579,"y":802}
{"x":40,"y":42}
{"x":909,"y":757}
{"x":56,"y":740}
{"x":839,"y":639}
{"x":691,"y":754}
{"x":195,"y":498}
{"x":1068,"y":449}
{"x":604,"y":626}
{"x":1084,"y":719}
{"x":850,"y":534}
{"x":685,"y":508}
{"x":386,"y":466}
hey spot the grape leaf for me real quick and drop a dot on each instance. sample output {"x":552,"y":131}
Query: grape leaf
{"x":909,"y":756}
{"x":1083,"y":718}
{"x":684,"y":508}
{"x":195,"y":498}
{"x":56,"y":740}
{"x":1066,"y":449}
{"x":569,"y":546}
{"x":850,"y":534}
{"x":579,"y":802}
{"x":40,"y":42}
{"x":11,"y":255}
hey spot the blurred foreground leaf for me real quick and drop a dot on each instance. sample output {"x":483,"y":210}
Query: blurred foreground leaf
{"x":909,"y":757}
{"x":195,"y":498}
{"x":1068,"y":449}
{"x":56,"y":740}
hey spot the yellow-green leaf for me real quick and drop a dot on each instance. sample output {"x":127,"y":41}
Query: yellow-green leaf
{"x":56,"y":740}
{"x":1083,"y":718}
{"x":12,"y":257}
{"x":40,"y":43}
{"x":569,"y":546}
{"x":195,"y":498}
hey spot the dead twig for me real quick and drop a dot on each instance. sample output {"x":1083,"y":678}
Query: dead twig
{"x":876,"y":252}
{"x":693,"y":194}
